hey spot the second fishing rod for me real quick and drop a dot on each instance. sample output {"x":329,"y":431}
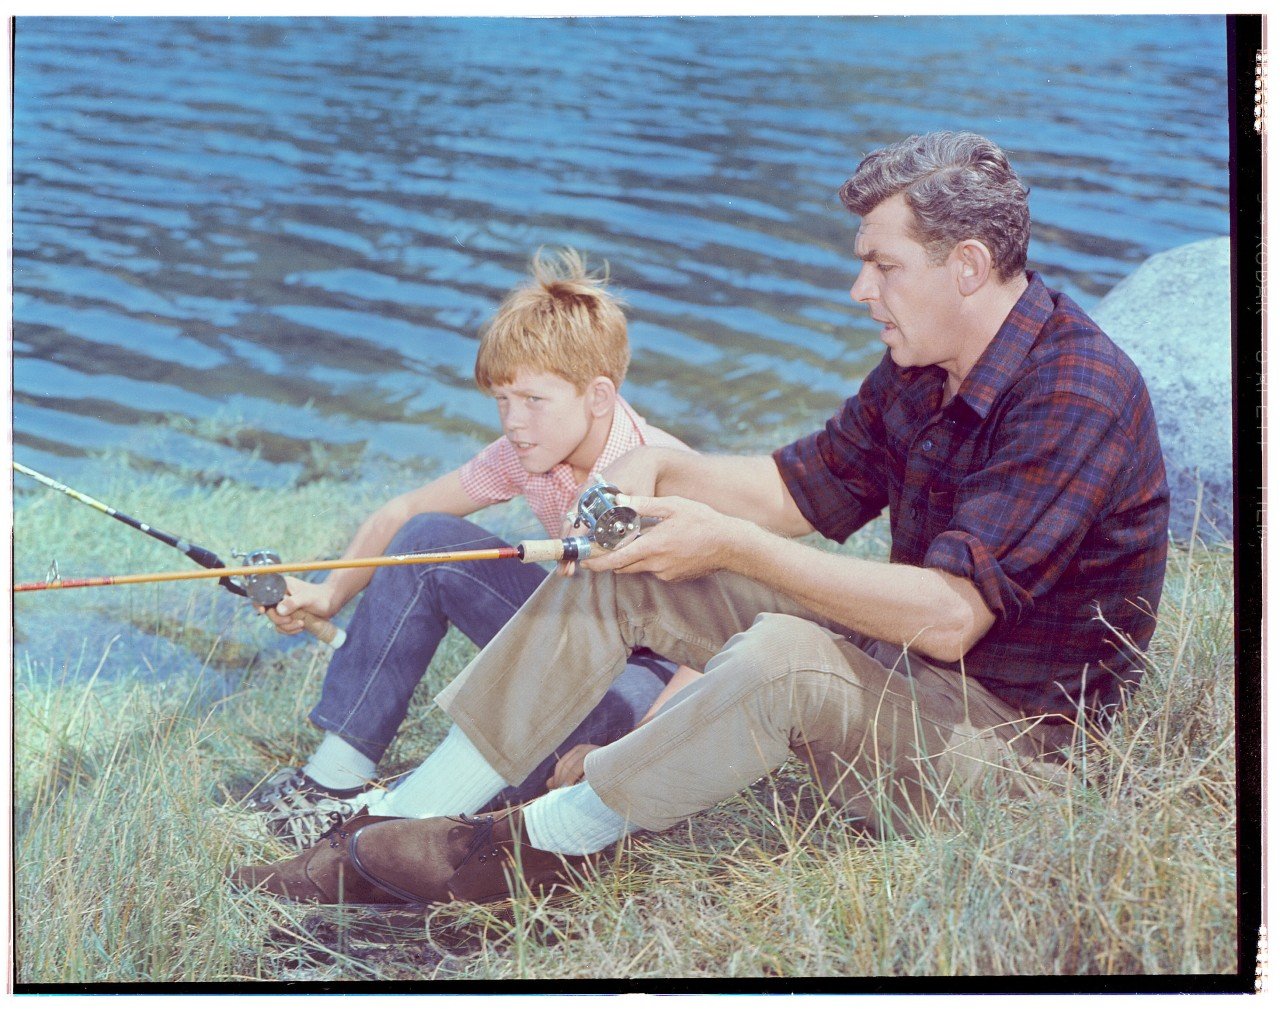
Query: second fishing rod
{"x":603,"y":514}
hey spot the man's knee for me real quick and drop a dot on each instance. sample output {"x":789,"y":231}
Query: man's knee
{"x":777,"y":642}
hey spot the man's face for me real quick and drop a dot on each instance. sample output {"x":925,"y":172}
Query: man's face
{"x":915,"y":299}
{"x":544,"y":417}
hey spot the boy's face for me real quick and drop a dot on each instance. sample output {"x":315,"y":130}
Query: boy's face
{"x":544,"y":417}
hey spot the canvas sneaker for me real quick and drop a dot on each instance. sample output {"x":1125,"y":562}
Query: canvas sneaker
{"x":296,"y":808}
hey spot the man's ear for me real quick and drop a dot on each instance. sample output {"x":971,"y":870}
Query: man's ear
{"x":973,"y":265}
{"x":601,"y":396}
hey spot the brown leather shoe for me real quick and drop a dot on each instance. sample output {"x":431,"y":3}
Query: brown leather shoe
{"x":468,"y":858}
{"x":322,"y":874}
{"x":414,"y":859}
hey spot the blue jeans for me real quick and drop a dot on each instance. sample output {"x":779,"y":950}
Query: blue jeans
{"x":404,"y":613}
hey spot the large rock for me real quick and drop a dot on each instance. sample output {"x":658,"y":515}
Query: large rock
{"x":1173,"y":317}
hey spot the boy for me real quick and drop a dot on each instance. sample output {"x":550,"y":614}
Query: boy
{"x":553,"y":358}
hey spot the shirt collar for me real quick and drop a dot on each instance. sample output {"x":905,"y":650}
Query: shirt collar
{"x":999,"y":363}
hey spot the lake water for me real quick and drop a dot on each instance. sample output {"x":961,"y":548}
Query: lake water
{"x":243,"y":243}
{"x":294,"y":228}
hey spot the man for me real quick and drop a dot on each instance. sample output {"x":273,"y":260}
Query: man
{"x":1015,"y":447}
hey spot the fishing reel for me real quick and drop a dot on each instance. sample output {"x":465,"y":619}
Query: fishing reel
{"x":265,"y":589}
{"x":269,"y":588}
{"x":609,"y":525}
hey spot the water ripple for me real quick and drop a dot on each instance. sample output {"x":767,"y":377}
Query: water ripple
{"x":264,"y":235}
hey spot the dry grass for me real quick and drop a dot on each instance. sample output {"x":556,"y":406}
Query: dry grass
{"x":121,"y":838}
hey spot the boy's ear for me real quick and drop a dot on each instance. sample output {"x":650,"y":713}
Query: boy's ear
{"x":601,"y":396}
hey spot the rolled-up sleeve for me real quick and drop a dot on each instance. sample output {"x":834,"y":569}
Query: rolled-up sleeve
{"x":836,"y":476}
{"x":1018,"y":521}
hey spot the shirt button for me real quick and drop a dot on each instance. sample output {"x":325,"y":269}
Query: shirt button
{"x":915,"y":511}
{"x":927,"y":444}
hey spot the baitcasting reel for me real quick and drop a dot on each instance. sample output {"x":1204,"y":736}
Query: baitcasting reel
{"x":609,"y":525}
{"x":265,"y":590}
{"x":268,"y":589}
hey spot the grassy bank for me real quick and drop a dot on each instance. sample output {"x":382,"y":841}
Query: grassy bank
{"x":121,"y":838}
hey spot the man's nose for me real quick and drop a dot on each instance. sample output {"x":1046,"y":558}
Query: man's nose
{"x":863,"y":289}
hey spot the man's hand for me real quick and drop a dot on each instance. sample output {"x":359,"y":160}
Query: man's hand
{"x":569,"y":768}
{"x":690,"y":540}
{"x":633,"y":473}
{"x":299,"y":595}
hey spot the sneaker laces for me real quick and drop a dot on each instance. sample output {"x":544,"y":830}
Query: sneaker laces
{"x":291,"y":808}
{"x":276,"y":787}
{"x":306,"y":816}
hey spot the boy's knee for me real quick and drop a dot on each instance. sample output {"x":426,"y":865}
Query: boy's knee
{"x":433,"y":531}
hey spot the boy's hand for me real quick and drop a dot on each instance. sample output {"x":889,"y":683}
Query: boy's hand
{"x":569,"y":768}
{"x":691,"y":540}
{"x":299,"y":595}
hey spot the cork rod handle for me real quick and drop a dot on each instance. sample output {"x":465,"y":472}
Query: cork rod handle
{"x":328,"y":633}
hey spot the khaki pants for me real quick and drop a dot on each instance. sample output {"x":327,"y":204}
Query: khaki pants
{"x":885,"y":733}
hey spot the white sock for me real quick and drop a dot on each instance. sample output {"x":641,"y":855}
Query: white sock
{"x":573,"y":821}
{"x":453,"y":779}
{"x":338,"y":764}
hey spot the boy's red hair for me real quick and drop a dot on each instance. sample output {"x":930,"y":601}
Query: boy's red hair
{"x":563,"y":321}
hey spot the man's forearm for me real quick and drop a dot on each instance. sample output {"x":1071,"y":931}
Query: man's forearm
{"x":939,"y":615}
{"x":733,"y":514}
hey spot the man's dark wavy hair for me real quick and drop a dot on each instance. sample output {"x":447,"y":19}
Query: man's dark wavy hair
{"x":959,"y":186}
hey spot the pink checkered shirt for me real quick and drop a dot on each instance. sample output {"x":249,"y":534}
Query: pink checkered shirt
{"x":495,"y":473}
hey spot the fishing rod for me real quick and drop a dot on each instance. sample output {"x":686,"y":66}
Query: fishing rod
{"x":262,"y":588}
{"x":205,"y":558}
{"x":602,"y":511}
{"x":575,"y":548}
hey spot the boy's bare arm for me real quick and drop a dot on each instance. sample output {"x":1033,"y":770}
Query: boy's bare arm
{"x":444,"y":495}
{"x":570,"y":769}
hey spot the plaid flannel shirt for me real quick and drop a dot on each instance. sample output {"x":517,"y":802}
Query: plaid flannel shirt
{"x":1041,"y":481}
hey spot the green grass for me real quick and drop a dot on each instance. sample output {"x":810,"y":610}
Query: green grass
{"x":122,"y":839}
